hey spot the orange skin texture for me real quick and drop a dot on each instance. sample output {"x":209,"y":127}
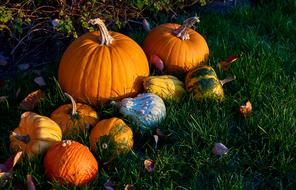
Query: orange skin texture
{"x":87,"y":118}
{"x":70,"y":163}
{"x":178,"y":55}
{"x":123,"y":138}
{"x":42,"y":131}
{"x":95,"y":73}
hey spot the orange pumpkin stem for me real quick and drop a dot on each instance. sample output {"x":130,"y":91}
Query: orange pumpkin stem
{"x":182,"y":31}
{"x":25,"y":139}
{"x":106,"y":38}
{"x":74,"y":107}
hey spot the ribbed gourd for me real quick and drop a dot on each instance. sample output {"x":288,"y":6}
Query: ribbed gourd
{"x":146,"y":110}
{"x":35,"y":134}
{"x":168,"y":87}
{"x":204,"y":84}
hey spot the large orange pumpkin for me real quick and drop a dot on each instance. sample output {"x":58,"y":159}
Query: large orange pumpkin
{"x":70,"y":162}
{"x":99,"y":66}
{"x":179,"y":47}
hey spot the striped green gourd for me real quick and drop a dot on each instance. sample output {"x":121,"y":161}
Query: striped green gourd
{"x":204,"y":84}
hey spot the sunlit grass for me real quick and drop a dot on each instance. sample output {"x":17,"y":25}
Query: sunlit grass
{"x":262,"y":147}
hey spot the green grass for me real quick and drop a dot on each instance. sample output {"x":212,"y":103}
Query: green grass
{"x":262,"y":147}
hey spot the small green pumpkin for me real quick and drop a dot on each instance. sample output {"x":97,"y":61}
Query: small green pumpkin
{"x":204,"y":84}
{"x":111,"y":137}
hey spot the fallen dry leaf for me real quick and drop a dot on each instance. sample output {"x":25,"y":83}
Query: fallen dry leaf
{"x":160,"y":137}
{"x":156,"y":61}
{"x":18,"y":92}
{"x":224,"y":65}
{"x":149,"y":165}
{"x":146,"y":25}
{"x":156,"y":140}
{"x":32,"y":100}
{"x":7,"y":167}
{"x":40,"y":81}
{"x":10,"y":162}
{"x":23,"y":67}
{"x":30,"y":183}
{"x":3,"y":60}
{"x":129,"y":187}
{"x":246,"y":110}
{"x":55,"y":22}
{"x":219,"y":149}
{"x":3,"y":98}
{"x":227,"y":80}
{"x":109,"y":185}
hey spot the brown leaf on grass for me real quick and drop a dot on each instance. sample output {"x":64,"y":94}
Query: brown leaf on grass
{"x":40,"y":81}
{"x":146,"y":25}
{"x":157,"y":62}
{"x":219,"y":149}
{"x":23,"y":67}
{"x":156,"y":140}
{"x":246,"y":110}
{"x":7,"y":167}
{"x":10,"y":162}
{"x":3,"y":60}
{"x":18,"y":91}
{"x":224,"y":65}
{"x":227,"y":80}
{"x":3,"y":98}
{"x":149,"y":165}
{"x":32,"y":100}
{"x":161,"y":137}
{"x":109,"y":185}
{"x":129,"y":187}
{"x":30,"y":183}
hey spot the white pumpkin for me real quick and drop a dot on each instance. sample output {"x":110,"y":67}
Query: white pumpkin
{"x":147,"y":110}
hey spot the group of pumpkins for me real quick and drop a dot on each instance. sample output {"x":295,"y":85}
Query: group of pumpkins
{"x":102,"y":66}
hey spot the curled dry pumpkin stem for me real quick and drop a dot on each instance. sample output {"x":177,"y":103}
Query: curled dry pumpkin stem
{"x":106,"y":38}
{"x":74,"y":107}
{"x":24,"y":138}
{"x":182,"y":31}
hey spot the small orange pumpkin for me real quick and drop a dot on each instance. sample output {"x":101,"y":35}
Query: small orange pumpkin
{"x":179,"y":47}
{"x":35,"y":134}
{"x":70,"y":162}
{"x":74,"y":118}
{"x":99,"y":66}
{"x":111,"y":137}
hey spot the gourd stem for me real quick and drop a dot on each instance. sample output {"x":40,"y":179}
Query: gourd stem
{"x":106,"y":38}
{"x":182,"y":31}
{"x":74,"y":107}
{"x":24,"y":138}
